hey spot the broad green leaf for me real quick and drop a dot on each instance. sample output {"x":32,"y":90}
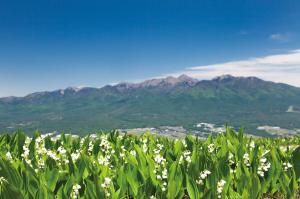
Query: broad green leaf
{"x":51,"y":177}
{"x":175,"y":180}
{"x":191,"y":188}
{"x":296,"y":161}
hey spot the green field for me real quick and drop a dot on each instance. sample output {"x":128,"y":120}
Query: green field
{"x":111,"y":165}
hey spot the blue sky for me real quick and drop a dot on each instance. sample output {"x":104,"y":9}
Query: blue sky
{"x":52,"y":44}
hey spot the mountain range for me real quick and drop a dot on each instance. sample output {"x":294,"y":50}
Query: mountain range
{"x":246,"y":102}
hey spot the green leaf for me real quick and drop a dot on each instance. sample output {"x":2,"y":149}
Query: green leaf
{"x":10,"y":173}
{"x":43,"y":192}
{"x":192,"y":188}
{"x":90,"y":189}
{"x":296,"y":161}
{"x":51,"y":177}
{"x":131,"y":177}
{"x":255,"y":187}
{"x":61,"y":194}
{"x":175,"y":180}
{"x":9,"y":191}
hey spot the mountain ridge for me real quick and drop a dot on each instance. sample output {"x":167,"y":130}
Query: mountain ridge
{"x":169,"y":81}
{"x":183,"y":101}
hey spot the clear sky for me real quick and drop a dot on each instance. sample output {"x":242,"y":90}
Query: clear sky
{"x":52,"y":44}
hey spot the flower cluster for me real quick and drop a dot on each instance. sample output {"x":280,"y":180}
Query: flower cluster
{"x":63,"y":155}
{"x":90,"y":148}
{"x":203,"y":175}
{"x":144,"y":146}
{"x":41,"y":151}
{"x":25,"y":154}
{"x":2,"y":179}
{"x":123,"y":153}
{"x":251,"y":145}
{"x":75,"y":156}
{"x":104,"y":160}
{"x":288,"y":148}
{"x":211,"y":148}
{"x":233,"y":165}
{"x":8,"y":156}
{"x":104,"y":144}
{"x":185,"y":156}
{"x":159,"y":148}
{"x":53,"y":155}
{"x":220,"y":187}
{"x":106,"y":152}
{"x":246,"y":159}
{"x":75,"y":191}
{"x":263,"y":167}
{"x":133,"y":153}
{"x":160,"y":167}
{"x":287,"y":166}
{"x":82,"y":140}
{"x":106,"y":185}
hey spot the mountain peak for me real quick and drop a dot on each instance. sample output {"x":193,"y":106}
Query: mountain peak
{"x":228,"y":77}
{"x":166,"y":81}
{"x":224,"y":77}
{"x":74,"y":88}
{"x":170,"y":80}
{"x":185,"y":77}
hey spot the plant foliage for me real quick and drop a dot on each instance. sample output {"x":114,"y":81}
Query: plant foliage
{"x":111,"y":165}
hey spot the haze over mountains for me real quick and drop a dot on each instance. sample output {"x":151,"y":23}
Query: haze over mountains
{"x":183,"y":101}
